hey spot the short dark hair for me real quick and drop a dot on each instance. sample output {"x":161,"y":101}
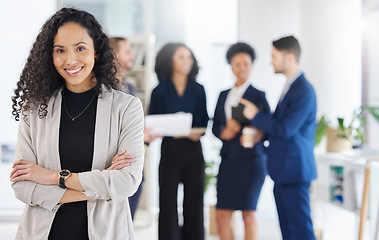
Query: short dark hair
{"x":114,"y":43}
{"x":289,"y":44}
{"x":163,"y":62}
{"x":240,"y":47}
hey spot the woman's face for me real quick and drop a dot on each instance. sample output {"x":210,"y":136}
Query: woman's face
{"x":74,"y":57}
{"x":182,"y":61}
{"x":242,"y":65}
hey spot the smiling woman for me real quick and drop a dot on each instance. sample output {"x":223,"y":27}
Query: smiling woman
{"x":75,"y":129}
{"x":74,"y":57}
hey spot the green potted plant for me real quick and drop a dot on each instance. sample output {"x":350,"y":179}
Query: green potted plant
{"x":345,"y":136}
{"x":211,"y":169}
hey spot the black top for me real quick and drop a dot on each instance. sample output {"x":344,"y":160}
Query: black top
{"x":165,"y":99}
{"x":76,"y":144}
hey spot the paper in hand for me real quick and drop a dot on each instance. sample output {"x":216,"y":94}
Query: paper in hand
{"x":171,"y":125}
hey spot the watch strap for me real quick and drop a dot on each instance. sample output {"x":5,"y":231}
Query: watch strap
{"x":62,"y":182}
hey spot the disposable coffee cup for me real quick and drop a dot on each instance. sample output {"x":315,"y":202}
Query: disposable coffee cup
{"x":248,"y":135}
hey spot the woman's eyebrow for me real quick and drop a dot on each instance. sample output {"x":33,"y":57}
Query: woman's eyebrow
{"x":80,"y":43}
{"x":76,"y":44}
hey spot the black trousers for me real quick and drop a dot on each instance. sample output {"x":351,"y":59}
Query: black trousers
{"x":181,"y":161}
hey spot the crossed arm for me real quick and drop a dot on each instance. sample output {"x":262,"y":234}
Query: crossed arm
{"x":23,"y":170}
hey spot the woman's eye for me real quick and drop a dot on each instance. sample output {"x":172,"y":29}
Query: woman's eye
{"x":60,"y":51}
{"x":80,"y":49}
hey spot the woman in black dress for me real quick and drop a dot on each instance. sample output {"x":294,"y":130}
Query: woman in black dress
{"x":242,"y":170}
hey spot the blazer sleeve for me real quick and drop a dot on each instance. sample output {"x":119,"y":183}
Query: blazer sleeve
{"x":288,"y":125}
{"x":156,"y":101}
{"x":217,"y":123}
{"x":31,"y":193}
{"x":203,"y":108}
{"x":117,"y":185}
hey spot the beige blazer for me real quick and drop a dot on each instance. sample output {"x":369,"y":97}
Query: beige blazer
{"x":119,"y":126}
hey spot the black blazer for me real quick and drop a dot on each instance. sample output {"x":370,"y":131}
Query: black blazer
{"x":233,"y":148}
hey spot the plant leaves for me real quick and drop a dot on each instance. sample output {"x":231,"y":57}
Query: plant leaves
{"x":322,"y":124}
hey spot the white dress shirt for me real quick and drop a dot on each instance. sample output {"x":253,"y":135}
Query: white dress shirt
{"x":234,"y":96}
{"x":287,"y":85}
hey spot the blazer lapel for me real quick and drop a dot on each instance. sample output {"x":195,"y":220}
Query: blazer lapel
{"x":246,"y":94}
{"x":222,"y":107}
{"x":53,"y":120}
{"x":103,"y":122}
{"x":285,"y":97}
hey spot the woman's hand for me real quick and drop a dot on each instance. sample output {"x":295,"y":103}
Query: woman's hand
{"x":233,"y":125}
{"x":232,"y":128}
{"x":148,"y":137}
{"x":121,"y":160}
{"x":195,"y":136}
{"x":23,"y":170}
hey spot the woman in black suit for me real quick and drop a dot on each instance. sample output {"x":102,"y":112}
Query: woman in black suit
{"x":242,"y":170}
{"x":182,"y":159}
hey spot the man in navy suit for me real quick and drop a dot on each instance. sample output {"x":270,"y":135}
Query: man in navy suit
{"x":291,"y":132}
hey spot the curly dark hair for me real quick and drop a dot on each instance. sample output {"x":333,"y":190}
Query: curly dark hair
{"x":39,"y":78}
{"x":240,"y":47}
{"x":163,"y":62}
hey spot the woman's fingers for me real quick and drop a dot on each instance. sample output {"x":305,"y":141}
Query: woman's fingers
{"x":119,"y":165}
{"x":118,"y":155}
{"x":121,"y":160}
{"x":19,"y":164}
{"x":127,"y":160}
{"x":123,"y":157}
{"x":15,"y":168}
{"x":18,"y":175}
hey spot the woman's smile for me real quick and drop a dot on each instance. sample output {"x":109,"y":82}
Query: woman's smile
{"x":73,"y":71}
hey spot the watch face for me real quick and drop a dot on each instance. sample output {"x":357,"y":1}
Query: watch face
{"x":64,"y":173}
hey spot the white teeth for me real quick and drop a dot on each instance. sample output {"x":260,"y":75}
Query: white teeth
{"x":73,"y":71}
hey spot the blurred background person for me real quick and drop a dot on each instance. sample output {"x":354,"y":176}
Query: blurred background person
{"x":291,"y":131}
{"x":242,"y":170}
{"x":125,"y":58}
{"x":182,"y":159}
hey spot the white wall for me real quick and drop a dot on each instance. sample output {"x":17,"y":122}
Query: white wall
{"x":330,"y":35}
{"x":371,"y":33}
{"x":20,"y":22}
{"x":210,"y":31}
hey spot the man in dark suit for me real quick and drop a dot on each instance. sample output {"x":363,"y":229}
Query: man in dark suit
{"x":291,"y":132}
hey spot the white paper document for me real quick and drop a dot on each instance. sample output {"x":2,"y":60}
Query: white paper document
{"x":170,"y":125}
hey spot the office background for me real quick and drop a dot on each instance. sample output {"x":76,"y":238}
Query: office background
{"x":339,"y":38}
